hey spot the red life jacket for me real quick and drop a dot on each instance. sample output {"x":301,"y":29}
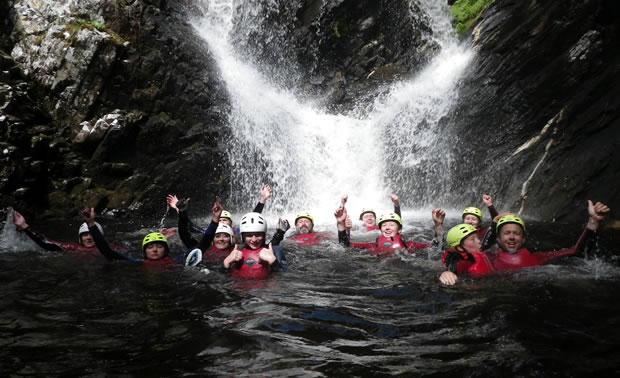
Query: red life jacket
{"x":481,"y":232}
{"x":524,"y":258}
{"x":520,"y":259}
{"x":371,"y":228}
{"x":385,"y":245}
{"x":252,"y":267}
{"x":313,"y":238}
{"x":215,"y":254}
{"x":476,"y":264}
{"x":164,"y":263}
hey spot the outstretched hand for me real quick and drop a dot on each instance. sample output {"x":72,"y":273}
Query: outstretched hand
{"x":217,"y":210}
{"x":88,"y":214}
{"x":487,"y":199}
{"x":597,"y":213}
{"x":438,"y":216}
{"x":265,"y":193}
{"x":283,"y":225}
{"x":394,"y":199}
{"x":172,"y":201}
{"x":19,"y":220}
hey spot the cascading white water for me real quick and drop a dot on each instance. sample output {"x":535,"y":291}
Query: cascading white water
{"x":312,"y":157}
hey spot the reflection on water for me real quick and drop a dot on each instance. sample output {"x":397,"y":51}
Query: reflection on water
{"x":335,"y":312}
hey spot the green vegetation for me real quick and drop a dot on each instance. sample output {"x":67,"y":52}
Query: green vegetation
{"x":466,"y":12}
{"x":90,"y":23}
{"x":335,"y":30}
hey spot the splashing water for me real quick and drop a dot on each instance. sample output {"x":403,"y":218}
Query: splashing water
{"x":311,"y":157}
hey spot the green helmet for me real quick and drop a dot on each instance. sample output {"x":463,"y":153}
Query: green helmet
{"x":390,"y":217}
{"x":510,"y":218}
{"x":473,"y":211}
{"x":364,"y":211}
{"x":154,"y":237}
{"x":303,"y":215}
{"x":459,"y":232}
{"x":226,"y":214}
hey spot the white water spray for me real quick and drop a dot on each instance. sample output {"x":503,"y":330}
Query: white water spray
{"x":312,"y":157}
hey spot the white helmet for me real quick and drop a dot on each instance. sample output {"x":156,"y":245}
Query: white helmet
{"x":253,"y":222}
{"x":223,"y":228}
{"x":84,"y":228}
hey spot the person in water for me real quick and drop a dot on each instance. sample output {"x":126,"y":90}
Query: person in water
{"x":473,"y":215}
{"x":304,"y":231}
{"x":265,"y":192}
{"x":256,"y":259}
{"x":512,"y":255}
{"x":154,"y":245}
{"x":85,"y":243}
{"x":217,"y":240}
{"x":390,"y":239}
{"x":369,"y":217}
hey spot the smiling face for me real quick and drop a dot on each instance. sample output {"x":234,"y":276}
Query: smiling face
{"x":226,"y":221}
{"x":221,"y":240}
{"x":155,"y":250}
{"x":254,"y":240}
{"x":304,"y":226}
{"x":471,"y":220}
{"x":390,"y":229}
{"x":471,"y":243}
{"x":87,"y":240}
{"x":511,"y":237}
{"x":369,"y":220}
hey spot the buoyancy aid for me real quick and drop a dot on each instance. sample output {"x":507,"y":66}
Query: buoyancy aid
{"x":476,"y":264}
{"x":520,"y":259}
{"x":388,"y":245}
{"x":313,"y":238}
{"x":164,"y":263}
{"x":371,"y":228}
{"x":215,"y":254}
{"x":251,"y":265}
{"x":523,"y":258}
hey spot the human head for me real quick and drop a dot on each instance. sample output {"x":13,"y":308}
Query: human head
{"x":304,"y":223}
{"x":510,"y":232}
{"x":368,"y":217}
{"x":253,"y":228}
{"x":472,"y":216}
{"x":223,"y":237}
{"x":155,"y":246}
{"x":464,"y":237}
{"x":390,"y":224}
{"x":226,"y":217}
{"x":84,"y":236}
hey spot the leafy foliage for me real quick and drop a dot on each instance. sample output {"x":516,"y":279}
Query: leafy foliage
{"x":466,"y":12}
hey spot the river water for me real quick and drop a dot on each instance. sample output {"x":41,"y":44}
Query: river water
{"x":335,"y":312}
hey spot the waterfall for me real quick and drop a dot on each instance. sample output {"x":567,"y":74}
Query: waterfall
{"x":311,"y":157}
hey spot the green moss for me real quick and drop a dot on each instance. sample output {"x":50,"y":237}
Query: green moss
{"x":336,"y":30}
{"x":466,"y":12}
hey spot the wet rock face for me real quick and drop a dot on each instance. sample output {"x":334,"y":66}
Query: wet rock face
{"x":109,"y":103}
{"x":537,"y":113}
{"x":337,"y":49}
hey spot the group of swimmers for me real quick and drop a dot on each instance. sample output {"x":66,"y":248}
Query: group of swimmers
{"x":469,"y":245}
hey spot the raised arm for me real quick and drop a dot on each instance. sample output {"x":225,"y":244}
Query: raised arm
{"x":396,"y":203}
{"x":42,"y":241}
{"x":596,"y":214}
{"x":265,"y":193}
{"x":88,"y":214}
{"x":488,"y":201}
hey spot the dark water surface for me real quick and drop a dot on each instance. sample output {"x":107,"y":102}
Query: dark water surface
{"x":336,"y":312}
